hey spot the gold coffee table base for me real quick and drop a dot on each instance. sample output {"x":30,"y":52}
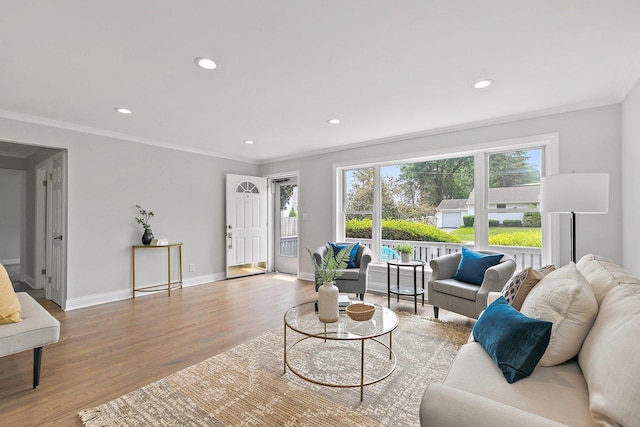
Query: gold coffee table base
{"x":303,"y":320}
{"x":362,"y":384}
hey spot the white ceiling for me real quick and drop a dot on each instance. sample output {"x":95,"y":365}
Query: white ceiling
{"x":385,"y":68}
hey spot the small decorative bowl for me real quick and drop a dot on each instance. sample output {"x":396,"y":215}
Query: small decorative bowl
{"x":360,"y":311}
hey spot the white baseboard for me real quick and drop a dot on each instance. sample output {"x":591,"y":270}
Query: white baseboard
{"x":10,"y":261}
{"x":307,"y":276}
{"x":96,"y":299}
{"x":119,"y":295}
{"x":203,"y":280}
{"x":377,"y":280}
{"x":30,"y":281}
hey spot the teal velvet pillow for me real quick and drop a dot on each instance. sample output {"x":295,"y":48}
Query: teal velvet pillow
{"x":352,"y":257}
{"x":514,"y":341}
{"x":473,"y":265}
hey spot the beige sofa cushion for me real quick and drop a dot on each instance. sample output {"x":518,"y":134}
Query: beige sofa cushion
{"x":564,"y":298}
{"x":603,"y":275}
{"x":610,"y":360}
{"x":443,"y":406}
{"x":38,"y":328}
{"x":520,"y":284}
{"x":558,"y":393}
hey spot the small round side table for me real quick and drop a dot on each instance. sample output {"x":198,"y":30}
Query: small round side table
{"x":398,"y":290}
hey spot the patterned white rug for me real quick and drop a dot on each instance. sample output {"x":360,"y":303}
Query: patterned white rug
{"x":246,"y":385}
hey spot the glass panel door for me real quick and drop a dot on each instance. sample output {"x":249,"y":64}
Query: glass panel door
{"x":286,"y":226}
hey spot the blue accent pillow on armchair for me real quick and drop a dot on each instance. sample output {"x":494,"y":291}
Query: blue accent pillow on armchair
{"x":351,"y":263}
{"x":473,"y":265}
{"x":515,"y":342}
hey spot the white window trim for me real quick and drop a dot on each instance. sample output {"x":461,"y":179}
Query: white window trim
{"x":480,"y":213}
{"x":550,"y":166}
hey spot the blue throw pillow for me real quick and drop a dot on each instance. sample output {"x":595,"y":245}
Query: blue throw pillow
{"x":351,"y":263}
{"x":473,"y":265}
{"x":514,"y":341}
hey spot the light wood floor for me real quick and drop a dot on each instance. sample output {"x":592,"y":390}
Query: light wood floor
{"x":111,"y":349}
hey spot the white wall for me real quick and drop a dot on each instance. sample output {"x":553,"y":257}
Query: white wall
{"x":630,"y":180}
{"x":13,"y":163}
{"x":11,"y":210}
{"x":589,"y":142}
{"x":106,"y":179}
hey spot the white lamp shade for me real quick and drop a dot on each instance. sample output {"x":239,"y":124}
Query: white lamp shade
{"x":575,"y":192}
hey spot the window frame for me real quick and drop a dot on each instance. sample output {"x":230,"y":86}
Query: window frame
{"x":549,"y":143}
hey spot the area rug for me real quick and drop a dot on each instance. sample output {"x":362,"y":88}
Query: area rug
{"x":246,"y":386}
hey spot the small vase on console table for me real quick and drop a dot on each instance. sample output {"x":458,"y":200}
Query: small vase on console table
{"x":147,"y":237}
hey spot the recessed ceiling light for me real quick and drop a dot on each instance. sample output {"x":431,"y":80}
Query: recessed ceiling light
{"x":123,"y":110}
{"x":334,"y":121}
{"x":206,"y":63}
{"x":483,"y":83}
{"x":248,"y":142}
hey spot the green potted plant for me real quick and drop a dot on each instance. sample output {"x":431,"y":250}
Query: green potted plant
{"x":331,"y":265}
{"x":143,"y":220}
{"x":405,"y":250}
{"x":326,"y":272}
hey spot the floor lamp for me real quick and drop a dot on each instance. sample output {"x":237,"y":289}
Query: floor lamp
{"x":575,"y":193}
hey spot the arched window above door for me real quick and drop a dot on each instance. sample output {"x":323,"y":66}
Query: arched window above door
{"x":247,"y":187}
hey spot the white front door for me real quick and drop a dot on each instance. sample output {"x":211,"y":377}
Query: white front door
{"x":247,"y":227}
{"x":57,"y":230}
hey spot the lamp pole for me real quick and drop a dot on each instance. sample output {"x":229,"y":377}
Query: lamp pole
{"x":573,"y":237}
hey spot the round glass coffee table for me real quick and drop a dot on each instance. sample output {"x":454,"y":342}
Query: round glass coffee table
{"x":328,"y":353}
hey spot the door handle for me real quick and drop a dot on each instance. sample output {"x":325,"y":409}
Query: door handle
{"x":58,"y":238}
{"x":229,"y":236}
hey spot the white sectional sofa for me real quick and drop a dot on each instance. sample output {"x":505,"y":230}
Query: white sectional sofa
{"x":600,"y":386}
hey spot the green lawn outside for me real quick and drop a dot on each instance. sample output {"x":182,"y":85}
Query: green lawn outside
{"x":524,"y":236}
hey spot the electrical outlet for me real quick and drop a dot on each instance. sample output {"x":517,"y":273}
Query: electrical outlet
{"x":192,"y":267}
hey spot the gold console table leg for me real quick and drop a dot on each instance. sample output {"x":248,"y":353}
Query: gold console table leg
{"x":155,"y":288}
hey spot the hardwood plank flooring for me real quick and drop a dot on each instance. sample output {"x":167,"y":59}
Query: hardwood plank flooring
{"x":111,"y":349}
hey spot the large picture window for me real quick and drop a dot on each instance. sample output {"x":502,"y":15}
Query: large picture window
{"x":482,"y":199}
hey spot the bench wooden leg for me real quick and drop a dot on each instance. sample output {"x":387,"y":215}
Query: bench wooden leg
{"x":37,"y":362}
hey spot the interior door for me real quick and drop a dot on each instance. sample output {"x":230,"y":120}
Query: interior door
{"x":286,"y":225}
{"x":57,"y":230}
{"x":247,"y":226}
{"x":42,"y":181}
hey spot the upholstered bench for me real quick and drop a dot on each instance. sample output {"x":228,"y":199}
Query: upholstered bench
{"x":37,"y":329}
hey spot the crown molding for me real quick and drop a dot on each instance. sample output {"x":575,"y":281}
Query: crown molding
{"x":453,"y":128}
{"x":115,"y":135}
{"x":367,"y":143}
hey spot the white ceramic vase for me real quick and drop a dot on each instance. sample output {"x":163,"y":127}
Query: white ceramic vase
{"x":328,"y":303}
{"x":405,"y":257}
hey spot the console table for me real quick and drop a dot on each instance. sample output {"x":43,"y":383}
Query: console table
{"x":161,"y":286}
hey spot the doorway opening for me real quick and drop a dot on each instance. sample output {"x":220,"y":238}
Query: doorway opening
{"x":285,"y":225}
{"x":50,"y":227}
{"x":32,"y":215}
